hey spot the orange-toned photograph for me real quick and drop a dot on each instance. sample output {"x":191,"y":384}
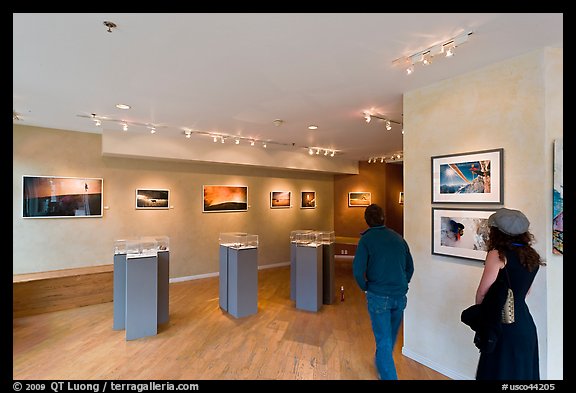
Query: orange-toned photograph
{"x":225,"y":198}
{"x":53,"y":197}
{"x":280,"y":199}
{"x":359,"y":199}
{"x":308,"y":200}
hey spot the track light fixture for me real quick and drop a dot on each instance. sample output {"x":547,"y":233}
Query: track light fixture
{"x":216,"y":136}
{"x":425,"y":56}
{"x":368,"y":115}
{"x":389,"y":158}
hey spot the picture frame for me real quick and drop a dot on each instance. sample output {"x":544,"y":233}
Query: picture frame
{"x":61,"y":197}
{"x":152,"y":198}
{"x":224,"y":198}
{"x":401,"y":198}
{"x":308,"y":200}
{"x":280,"y":199}
{"x":461,"y":233}
{"x":474,"y":177}
{"x":359,"y":199}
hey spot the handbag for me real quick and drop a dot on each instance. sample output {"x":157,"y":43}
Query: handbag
{"x":508,"y":308}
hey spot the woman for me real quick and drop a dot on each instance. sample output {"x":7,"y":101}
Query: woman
{"x":510,"y":261}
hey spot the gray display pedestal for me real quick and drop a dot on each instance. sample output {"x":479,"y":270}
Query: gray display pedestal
{"x":238,"y":285}
{"x":308,"y":278}
{"x":293,"y":246}
{"x":141,"y":294}
{"x":328,"y":272}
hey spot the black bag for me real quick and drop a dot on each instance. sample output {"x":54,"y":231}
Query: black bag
{"x":486,"y":334}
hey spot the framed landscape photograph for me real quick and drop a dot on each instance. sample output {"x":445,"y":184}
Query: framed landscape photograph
{"x":225,"y":199}
{"x":308,"y":200}
{"x":461,"y":233}
{"x":359,"y":199}
{"x":152,"y":198}
{"x":61,"y":197}
{"x":475,"y":177}
{"x":280,"y":199}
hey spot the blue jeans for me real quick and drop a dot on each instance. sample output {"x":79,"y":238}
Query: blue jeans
{"x":386,"y":314}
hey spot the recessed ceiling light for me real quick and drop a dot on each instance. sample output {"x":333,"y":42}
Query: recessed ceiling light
{"x":122,"y":106}
{"x":312,"y":127}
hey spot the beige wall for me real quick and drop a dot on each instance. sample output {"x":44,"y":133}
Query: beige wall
{"x":60,"y":243}
{"x":515,"y":105}
{"x":383,"y":181}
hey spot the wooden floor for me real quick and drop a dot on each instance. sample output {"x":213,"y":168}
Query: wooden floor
{"x":201,"y":342}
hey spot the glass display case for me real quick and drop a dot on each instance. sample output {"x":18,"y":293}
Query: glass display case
{"x":141,"y":246}
{"x":326,"y":237}
{"x":308,"y":239}
{"x":294,"y":235}
{"x":119,"y":246}
{"x":238,"y":240}
{"x":163,"y":243}
{"x":126,"y":246}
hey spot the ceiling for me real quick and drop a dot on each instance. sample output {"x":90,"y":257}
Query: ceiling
{"x":235,"y":74}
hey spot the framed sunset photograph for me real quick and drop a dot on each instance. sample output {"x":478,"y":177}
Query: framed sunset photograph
{"x":225,"y":199}
{"x":280,"y":199}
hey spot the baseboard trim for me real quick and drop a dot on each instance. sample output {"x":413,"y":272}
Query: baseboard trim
{"x":216,"y":274}
{"x":434,"y":366}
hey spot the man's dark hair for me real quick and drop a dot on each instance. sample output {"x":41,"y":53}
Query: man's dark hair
{"x":374,"y":215}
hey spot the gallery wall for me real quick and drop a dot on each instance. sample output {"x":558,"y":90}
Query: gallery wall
{"x":515,"y":105}
{"x":44,"y":244}
{"x":383,"y":181}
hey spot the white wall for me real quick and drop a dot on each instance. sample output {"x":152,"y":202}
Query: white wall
{"x":554,"y":101}
{"x":515,"y":105}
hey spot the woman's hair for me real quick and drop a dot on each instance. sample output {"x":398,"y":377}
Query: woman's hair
{"x":374,"y":215}
{"x":522,"y":244}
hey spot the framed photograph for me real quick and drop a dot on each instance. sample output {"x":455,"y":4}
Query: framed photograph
{"x":308,"y":200}
{"x":280,"y":199}
{"x":359,"y":199}
{"x":152,"y":199}
{"x":61,"y":197}
{"x":461,"y":233}
{"x":558,"y":199}
{"x":475,"y":177}
{"x":225,"y":199}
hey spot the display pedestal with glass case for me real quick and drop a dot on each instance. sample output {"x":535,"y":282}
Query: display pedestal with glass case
{"x":294,"y":238}
{"x":141,"y":285}
{"x":328,"y":241}
{"x":308,"y":271}
{"x":238,"y":285}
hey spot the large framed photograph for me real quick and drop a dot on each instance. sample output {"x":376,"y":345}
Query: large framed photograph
{"x":475,"y":177}
{"x":308,"y":200}
{"x":461,"y":233}
{"x":61,"y":197}
{"x":152,"y":198}
{"x":359,"y":199}
{"x":225,"y":199}
{"x":280,"y":199}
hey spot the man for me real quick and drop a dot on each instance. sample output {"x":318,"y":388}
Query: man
{"x":383,"y":267}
